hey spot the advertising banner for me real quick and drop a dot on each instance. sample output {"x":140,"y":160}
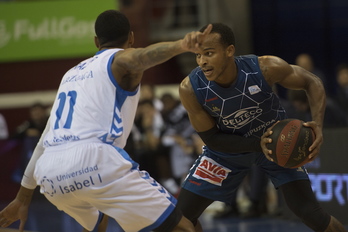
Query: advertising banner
{"x":49,"y":29}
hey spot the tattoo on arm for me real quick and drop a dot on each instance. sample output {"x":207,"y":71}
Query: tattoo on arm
{"x":156,"y":54}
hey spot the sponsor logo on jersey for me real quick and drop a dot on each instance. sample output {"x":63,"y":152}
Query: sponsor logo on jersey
{"x":211,"y":171}
{"x":254,"y":89}
{"x":261,"y":128}
{"x":211,"y":99}
{"x":215,"y":109}
{"x":241,"y":117}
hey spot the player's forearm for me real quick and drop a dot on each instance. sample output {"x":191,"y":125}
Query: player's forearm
{"x":28,"y":180}
{"x":317,"y":101}
{"x":24,"y":195}
{"x":229,"y":143}
{"x":144,"y":58}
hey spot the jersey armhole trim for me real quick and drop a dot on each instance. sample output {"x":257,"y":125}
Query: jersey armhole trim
{"x":113,"y":80}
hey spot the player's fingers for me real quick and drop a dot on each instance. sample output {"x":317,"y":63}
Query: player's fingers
{"x":269,"y":152}
{"x":5,"y":223}
{"x":315,"y":147}
{"x":317,"y":142}
{"x":312,"y":124}
{"x":265,"y":150}
{"x":270,"y":128}
{"x":267,"y":133}
{"x":312,"y":156}
{"x":208,"y":29}
{"x":192,"y":40}
{"x":21,"y":225}
{"x":199,"y":37}
{"x":3,"y":220}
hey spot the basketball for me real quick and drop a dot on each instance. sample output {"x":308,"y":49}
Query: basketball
{"x":290,"y":143}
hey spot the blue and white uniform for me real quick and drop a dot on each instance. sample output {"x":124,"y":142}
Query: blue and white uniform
{"x":84,"y":168}
{"x":247,"y":108}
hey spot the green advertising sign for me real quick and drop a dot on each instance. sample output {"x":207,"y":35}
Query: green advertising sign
{"x":49,"y":29}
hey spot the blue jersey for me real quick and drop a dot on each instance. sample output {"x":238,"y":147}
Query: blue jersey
{"x":246,"y":108}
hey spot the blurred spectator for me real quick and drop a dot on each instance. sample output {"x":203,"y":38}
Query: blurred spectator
{"x":146,"y":132}
{"x":341,"y":96}
{"x":178,"y":137}
{"x":305,"y":61}
{"x":35,"y":125}
{"x":28,"y":133}
{"x":148,"y":93}
{"x":3,"y":128}
{"x":334,"y":115}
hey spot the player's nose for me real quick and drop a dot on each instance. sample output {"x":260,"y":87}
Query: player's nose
{"x":201,"y":61}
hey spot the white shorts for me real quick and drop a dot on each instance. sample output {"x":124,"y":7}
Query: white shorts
{"x":84,"y":179}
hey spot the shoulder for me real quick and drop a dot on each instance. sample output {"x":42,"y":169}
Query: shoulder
{"x":126,"y":70}
{"x":123,"y":57}
{"x":271,"y":61}
{"x":185,"y":86}
{"x":273,"y":67}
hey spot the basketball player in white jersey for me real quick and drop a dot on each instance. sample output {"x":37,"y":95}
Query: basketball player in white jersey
{"x":79,"y":162}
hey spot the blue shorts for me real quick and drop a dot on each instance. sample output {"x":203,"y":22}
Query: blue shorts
{"x":217,"y":177}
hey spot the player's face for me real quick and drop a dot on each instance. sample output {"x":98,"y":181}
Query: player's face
{"x":214,"y":58}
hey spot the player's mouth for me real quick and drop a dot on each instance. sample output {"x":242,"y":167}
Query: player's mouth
{"x":208,"y":72}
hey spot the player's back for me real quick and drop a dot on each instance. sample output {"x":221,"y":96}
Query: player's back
{"x":90,"y":105}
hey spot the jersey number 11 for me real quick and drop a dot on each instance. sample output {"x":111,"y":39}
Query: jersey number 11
{"x":62,"y":97}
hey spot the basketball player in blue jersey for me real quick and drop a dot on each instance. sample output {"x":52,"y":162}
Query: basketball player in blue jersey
{"x":79,"y":162}
{"x":231,"y":105}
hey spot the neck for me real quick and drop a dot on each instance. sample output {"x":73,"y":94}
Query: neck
{"x":229,"y":76}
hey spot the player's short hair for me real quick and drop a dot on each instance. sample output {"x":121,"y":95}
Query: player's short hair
{"x":112,"y":28}
{"x":226,"y":33}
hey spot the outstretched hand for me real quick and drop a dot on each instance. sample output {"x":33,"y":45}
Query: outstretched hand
{"x":16,"y":210}
{"x":193,"y":40}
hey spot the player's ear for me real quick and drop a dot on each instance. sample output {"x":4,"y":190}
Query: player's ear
{"x":96,"y":42}
{"x":230,"y":50}
{"x":131,"y":39}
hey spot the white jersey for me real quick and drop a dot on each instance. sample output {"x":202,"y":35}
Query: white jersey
{"x":90,"y":105}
